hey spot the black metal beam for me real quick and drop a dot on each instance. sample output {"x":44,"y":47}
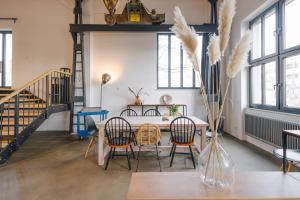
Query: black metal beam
{"x":77,"y":28}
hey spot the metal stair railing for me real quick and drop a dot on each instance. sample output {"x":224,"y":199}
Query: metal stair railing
{"x":23,"y":111}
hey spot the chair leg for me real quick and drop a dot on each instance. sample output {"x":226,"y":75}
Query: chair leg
{"x":172,"y":149}
{"x":128,"y":159}
{"x":109,"y":157}
{"x":138,"y":158}
{"x":173,"y":154}
{"x":158,"y":157}
{"x":134,"y":139}
{"x":113,"y":154}
{"x":192,"y":157}
{"x":133,"y":155}
{"x":290,"y":167}
{"x":89,"y":147}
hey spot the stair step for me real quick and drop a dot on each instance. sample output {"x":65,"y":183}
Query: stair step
{"x":3,"y":143}
{"x":11,"y":122}
{"x":25,"y":100}
{"x":21,"y":114}
{"x":30,"y":106}
{"x":7,"y":133}
{"x":3,"y":95}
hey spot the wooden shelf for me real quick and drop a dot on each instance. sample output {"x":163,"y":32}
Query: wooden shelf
{"x":75,"y":28}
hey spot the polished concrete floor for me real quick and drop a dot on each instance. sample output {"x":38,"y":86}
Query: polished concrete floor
{"x":52,"y":166}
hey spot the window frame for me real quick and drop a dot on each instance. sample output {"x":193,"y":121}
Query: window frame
{"x":279,"y":56}
{"x":169,"y":64}
{"x":3,"y":62}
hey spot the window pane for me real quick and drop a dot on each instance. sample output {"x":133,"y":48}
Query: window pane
{"x":270,"y":81}
{"x":292,"y":29}
{"x":256,"y":44}
{"x":163,"y":62}
{"x":256,"y":84}
{"x":175,"y":62}
{"x":200,"y":39}
{"x":292,"y":81}
{"x":188,"y":72}
{"x":270,"y":33}
{"x":8,"y":59}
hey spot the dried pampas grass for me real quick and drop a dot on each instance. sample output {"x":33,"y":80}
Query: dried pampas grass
{"x":239,"y":57}
{"x":213,"y":50}
{"x":227,"y":12}
{"x":188,"y":37}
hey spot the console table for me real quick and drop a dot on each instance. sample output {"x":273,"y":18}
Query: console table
{"x":187,"y":185}
{"x":157,"y":106}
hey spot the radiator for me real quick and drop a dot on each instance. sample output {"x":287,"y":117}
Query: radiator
{"x":270,"y":130}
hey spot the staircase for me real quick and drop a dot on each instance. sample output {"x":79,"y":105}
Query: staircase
{"x":22,"y":111}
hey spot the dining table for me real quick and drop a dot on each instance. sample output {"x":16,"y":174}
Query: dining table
{"x":137,"y":121}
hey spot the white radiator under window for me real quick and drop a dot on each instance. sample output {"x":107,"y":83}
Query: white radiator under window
{"x":269,"y":130}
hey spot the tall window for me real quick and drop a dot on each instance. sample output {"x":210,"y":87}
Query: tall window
{"x":174,"y":68}
{"x":5,"y":58}
{"x":275,"y":58}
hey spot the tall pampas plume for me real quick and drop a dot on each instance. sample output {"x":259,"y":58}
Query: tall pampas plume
{"x":188,"y":37}
{"x":227,"y":12}
{"x":213,"y":50}
{"x":239,"y":57}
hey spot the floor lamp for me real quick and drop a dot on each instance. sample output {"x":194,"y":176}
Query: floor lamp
{"x":105,"y":79}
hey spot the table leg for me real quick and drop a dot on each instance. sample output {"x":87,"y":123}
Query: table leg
{"x":203,"y":138}
{"x":284,"y":146}
{"x":101,"y":146}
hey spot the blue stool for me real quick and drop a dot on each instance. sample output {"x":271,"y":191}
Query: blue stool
{"x":89,"y":111}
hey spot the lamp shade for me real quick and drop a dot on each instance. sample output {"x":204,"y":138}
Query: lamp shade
{"x":105,"y":78}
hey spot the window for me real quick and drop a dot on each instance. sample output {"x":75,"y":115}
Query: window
{"x":275,"y":58}
{"x":5,"y":58}
{"x":174,"y":67}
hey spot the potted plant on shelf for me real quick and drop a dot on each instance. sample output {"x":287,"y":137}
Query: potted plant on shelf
{"x":173,"y":110}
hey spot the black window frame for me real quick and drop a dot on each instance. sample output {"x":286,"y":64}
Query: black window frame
{"x":169,"y":64}
{"x":279,"y":56}
{"x":3,"y":62}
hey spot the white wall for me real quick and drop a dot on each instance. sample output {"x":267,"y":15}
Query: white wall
{"x":41,"y":38}
{"x":131,"y":59}
{"x":237,"y":99}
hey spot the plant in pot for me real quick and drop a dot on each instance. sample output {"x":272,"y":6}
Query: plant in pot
{"x":173,"y":110}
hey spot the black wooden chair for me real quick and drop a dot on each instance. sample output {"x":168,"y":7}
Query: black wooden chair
{"x":119,"y":135}
{"x":183,"y":131}
{"x":93,"y":131}
{"x":152,"y":112}
{"x":128,"y":112}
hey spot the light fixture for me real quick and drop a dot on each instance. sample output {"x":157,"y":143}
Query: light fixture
{"x":105,"y":79}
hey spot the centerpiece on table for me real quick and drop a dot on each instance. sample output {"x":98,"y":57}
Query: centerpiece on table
{"x":215,"y":165}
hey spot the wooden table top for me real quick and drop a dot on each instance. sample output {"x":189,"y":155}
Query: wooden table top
{"x":136,"y":121}
{"x":187,"y":185}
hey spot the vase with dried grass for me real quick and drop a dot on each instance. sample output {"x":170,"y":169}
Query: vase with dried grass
{"x":215,"y":165}
{"x":137,"y":97}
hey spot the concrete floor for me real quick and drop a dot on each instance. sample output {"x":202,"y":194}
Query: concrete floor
{"x":52,"y":166}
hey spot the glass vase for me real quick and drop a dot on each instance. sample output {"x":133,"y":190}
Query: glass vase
{"x":215,"y":165}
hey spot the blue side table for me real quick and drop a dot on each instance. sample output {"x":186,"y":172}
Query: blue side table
{"x":89,"y":111}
